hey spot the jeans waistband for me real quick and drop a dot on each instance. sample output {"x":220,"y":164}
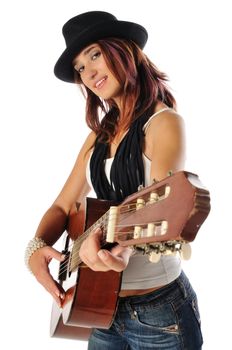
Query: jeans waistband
{"x":179,"y":287}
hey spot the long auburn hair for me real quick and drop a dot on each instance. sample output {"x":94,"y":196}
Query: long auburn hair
{"x":143,"y":85}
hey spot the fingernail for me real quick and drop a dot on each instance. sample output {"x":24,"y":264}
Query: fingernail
{"x":63,"y":257}
{"x":62,"y":296}
{"x":102,"y":254}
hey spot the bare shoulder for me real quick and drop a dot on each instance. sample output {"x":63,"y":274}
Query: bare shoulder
{"x":166,"y":119}
{"x":165,"y":133}
{"x":89,"y":142}
{"x":166,"y":124}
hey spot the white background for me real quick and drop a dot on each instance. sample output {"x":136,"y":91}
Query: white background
{"x":43,"y":127}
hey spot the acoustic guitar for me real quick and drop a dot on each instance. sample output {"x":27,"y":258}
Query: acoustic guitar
{"x":157,"y":220}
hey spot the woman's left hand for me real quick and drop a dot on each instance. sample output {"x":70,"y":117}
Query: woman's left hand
{"x":98,"y":259}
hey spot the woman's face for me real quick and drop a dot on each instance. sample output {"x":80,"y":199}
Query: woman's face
{"x":95,"y":74}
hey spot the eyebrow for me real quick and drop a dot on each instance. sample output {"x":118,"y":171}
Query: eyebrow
{"x":85,"y":53}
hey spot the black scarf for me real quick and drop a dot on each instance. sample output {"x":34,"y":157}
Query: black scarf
{"x":127,"y":171}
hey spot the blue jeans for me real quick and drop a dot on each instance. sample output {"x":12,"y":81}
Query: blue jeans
{"x":167,"y":318}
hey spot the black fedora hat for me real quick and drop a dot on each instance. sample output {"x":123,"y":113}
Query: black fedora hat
{"x":86,"y":28}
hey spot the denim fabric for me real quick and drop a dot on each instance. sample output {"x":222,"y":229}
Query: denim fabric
{"x":164,"y":319}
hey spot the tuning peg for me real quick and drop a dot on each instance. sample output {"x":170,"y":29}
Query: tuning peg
{"x":154,"y":181}
{"x":154,"y":197}
{"x":154,"y":257}
{"x":170,"y":252}
{"x":186,"y":251}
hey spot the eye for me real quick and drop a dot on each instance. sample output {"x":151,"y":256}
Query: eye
{"x":95,"y":55}
{"x":79,"y":69}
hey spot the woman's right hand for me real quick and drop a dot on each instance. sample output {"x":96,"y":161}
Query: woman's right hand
{"x":38,"y":264}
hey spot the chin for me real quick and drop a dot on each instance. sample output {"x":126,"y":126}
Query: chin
{"x":105,"y":96}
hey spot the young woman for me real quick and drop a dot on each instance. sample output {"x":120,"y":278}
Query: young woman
{"x":137,"y":136}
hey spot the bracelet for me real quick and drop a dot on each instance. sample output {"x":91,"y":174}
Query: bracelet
{"x":33,"y":245}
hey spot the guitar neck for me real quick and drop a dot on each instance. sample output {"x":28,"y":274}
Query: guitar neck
{"x":171,"y":210}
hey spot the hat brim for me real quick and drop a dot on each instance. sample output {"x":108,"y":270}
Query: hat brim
{"x":120,"y":29}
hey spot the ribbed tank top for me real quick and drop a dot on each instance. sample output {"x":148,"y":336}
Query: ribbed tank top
{"x":140,"y":272}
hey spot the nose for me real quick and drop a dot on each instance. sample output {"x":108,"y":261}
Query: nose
{"x":92,"y":73}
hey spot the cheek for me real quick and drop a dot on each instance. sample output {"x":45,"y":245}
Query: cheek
{"x":117,"y":86}
{"x":85,"y":82}
{"x":83,"y":79}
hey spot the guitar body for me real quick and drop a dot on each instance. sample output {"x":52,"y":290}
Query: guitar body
{"x":91,"y":297}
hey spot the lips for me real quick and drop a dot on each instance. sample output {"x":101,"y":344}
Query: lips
{"x":100,"y":82}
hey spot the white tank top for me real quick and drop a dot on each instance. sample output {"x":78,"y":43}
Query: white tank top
{"x":140,"y":272}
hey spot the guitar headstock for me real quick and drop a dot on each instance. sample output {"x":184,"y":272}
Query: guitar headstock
{"x":162,"y":216}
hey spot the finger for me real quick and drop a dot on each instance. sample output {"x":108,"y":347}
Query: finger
{"x":119,"y":250}
{"x":116,"y":263}
{"x":45,"y":278}
{"x":94,"y":263}
{"x":96,"y":234}
{"x":52,"y":253}
{"x":89,"y":249}
{"x":53,"y":288}
{"x":59,"y":296}
{"x":61,"y":289}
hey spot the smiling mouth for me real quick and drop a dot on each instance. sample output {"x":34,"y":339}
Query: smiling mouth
{"x":100,"y":83}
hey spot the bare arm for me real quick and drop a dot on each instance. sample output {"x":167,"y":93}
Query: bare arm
{"x":165,"y":144}
{"x":54,"y":221}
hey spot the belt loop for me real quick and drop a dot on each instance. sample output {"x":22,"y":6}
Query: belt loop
{"x":180,"y":281}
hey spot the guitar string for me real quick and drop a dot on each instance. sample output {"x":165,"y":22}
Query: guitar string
{"x":128,"y":207}
{"x":77,"y":243}
{"x":124,"y":209}
{"x":75,"y":259}
{"x":75,"y":256}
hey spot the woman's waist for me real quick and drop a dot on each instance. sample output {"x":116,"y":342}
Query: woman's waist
{"x":131,"y":292}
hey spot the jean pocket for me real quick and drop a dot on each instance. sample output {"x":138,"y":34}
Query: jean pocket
{"x":161,"y":319}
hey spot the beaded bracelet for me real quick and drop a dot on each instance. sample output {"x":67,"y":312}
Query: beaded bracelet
{"x":33,"y":245}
